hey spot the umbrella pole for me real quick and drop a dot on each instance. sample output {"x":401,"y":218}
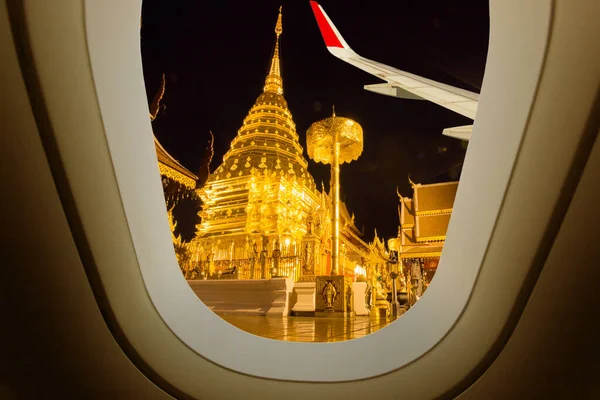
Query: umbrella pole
{"x":335,"y":199}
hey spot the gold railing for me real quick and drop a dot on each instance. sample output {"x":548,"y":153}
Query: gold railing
{"x":289,"y":266}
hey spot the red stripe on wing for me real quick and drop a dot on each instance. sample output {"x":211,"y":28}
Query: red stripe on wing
{"x":329,"y":36}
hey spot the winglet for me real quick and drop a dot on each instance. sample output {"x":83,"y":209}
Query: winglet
{"x":459,"y":132}
{"x":331,"y":35}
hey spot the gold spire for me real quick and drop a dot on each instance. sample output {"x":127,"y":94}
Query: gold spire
{"x":274,"y":83}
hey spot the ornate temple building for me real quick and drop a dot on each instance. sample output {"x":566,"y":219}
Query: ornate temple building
{"x":424,"y":221}
{"x":262,"y":213}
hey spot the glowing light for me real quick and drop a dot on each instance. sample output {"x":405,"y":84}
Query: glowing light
{"x":358,"y":270}
{"x":287,"y":241}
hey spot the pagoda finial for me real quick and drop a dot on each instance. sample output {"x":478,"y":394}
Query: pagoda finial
{"x":333,"y":106}
{"x":279,"y":24}
{"x":274,"y":83}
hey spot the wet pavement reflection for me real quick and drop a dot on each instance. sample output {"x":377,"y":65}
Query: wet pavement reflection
{"x":307,"y":329}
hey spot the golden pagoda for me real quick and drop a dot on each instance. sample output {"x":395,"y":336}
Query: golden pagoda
{"x":262,"y":214}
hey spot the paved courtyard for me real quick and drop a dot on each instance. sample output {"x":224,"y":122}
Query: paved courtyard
{"x":307,"y":329}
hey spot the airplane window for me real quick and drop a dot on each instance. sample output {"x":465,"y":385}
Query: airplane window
{"x":262,"y":225}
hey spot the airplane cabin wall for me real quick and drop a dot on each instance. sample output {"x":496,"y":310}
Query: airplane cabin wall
{"x":56,"y":342}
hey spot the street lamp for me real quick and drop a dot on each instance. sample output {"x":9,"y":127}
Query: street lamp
{"x":394,"y":247}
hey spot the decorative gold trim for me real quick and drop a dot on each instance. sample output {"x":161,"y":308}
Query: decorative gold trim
{"x":431,"y":239}
{"x":405,"y":256}
{"x":261,"y":135}
{"x":176,"y":176}
{"x":433,"y":212}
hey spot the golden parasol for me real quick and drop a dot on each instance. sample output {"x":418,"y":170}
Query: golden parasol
{"x":334,"y":141}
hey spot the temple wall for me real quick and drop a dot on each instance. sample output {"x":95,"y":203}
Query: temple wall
{"x":247,"y":297}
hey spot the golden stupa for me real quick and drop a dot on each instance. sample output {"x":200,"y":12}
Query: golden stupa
{"x":262,"y":214}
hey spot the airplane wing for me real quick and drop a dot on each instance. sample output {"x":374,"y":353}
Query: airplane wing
{"x":399,"y":83}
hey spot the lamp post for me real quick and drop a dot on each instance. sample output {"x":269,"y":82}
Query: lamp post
{"x":394,"y":245}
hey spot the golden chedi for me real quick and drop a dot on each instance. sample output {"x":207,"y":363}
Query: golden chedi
{"x":262,"y":193}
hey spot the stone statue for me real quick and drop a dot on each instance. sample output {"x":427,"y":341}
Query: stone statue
{"x":329,"y":295}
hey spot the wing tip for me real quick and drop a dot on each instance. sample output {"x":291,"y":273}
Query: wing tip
{"x":331,"y":37}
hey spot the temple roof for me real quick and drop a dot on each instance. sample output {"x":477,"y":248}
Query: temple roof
{"x":424,"y":219}
{"x":172,"y":169}
{"x":407,"y":217}
{"x":408,"y":237}
{"x":421,"y":252}
{"x":435,"y":197}
{"x":432,"y":227}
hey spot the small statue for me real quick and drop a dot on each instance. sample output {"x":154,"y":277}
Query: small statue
{"x":349,"y":296}
{"x":329,"y":295}
{"x":263,"y":258}
{"x":276,"y":254}
{"x":263,"y":264}
{"x":318,"y":223}
{"x":381,"y":293}
{"x":369,"y":296}
{"x":309,"y":224}
{"x":307,"y":259}
{"x":253,"y":259}
{"x":402,"y":282}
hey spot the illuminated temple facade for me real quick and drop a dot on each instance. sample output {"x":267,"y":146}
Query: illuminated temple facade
{"x":262,"y":213}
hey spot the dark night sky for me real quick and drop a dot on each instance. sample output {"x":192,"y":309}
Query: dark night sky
{"x":216,"y":56}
